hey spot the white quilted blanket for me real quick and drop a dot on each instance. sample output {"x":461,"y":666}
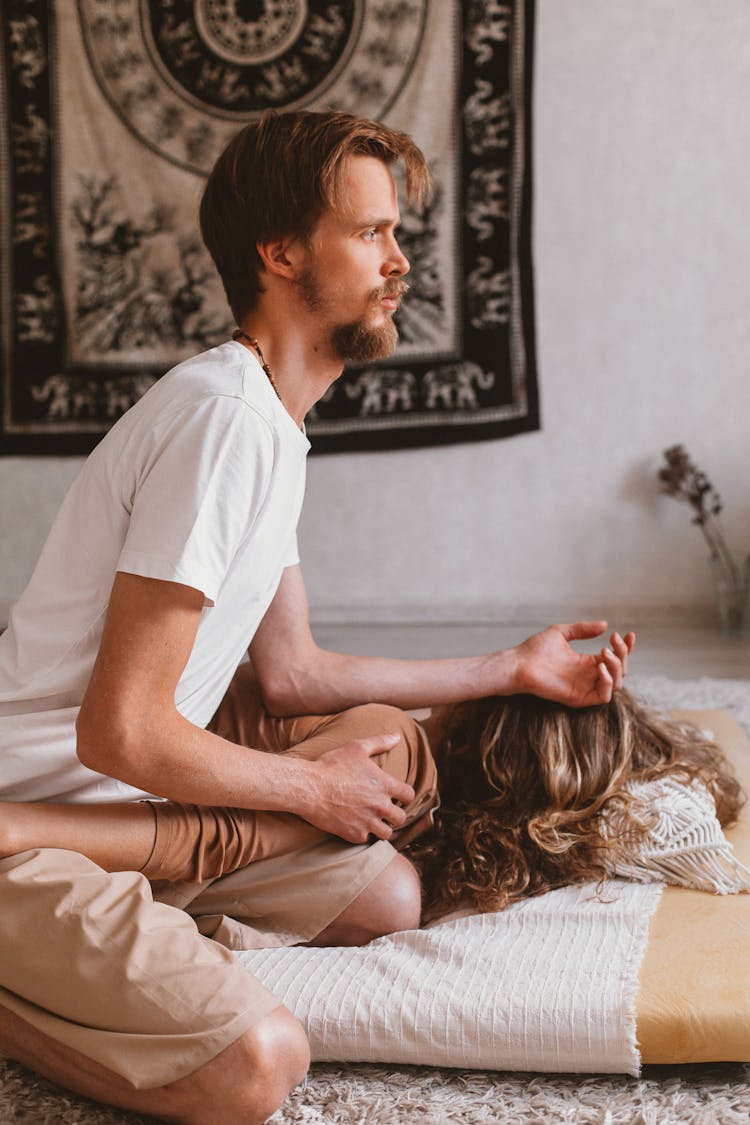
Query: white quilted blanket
{"x":547,"y":985}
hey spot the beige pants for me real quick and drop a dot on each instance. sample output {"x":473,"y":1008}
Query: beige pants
{"x":105,"y":964}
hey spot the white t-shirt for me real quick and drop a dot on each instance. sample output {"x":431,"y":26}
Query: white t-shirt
{"x":201,"y":483}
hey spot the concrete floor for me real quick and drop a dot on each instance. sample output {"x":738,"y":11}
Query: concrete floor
{"x":680,"y":652}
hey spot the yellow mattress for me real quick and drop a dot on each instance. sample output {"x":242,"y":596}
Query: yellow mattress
{"x":694,"y":998}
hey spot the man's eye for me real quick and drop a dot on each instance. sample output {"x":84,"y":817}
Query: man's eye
{"x":370,"y":234}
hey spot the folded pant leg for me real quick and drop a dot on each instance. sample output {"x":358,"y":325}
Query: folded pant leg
{"x":242,"y":719}
{"x":301,"y":879}
{"x":288,"y":899}
{"x":197,"y":843}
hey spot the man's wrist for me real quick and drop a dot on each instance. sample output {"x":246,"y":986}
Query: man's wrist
{"x":518,"y":671}
{"x":501,"y":673}
{"x":302,"y":785}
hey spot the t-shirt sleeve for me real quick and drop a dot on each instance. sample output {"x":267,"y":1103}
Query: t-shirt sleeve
{"x":291,"y":558}
{"x":201,"y":480}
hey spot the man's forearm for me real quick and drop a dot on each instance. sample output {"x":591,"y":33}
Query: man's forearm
{"x":326,"y":681}
{"x":297,"y":677}
{"x":342,"y":792}
{"x":314,"y":681}
{"x":173,"y":758}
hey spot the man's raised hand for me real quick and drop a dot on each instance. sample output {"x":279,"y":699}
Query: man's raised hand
{"x":615,"y":659}
{"x":549,"y":667}
{"x":351,"y":797}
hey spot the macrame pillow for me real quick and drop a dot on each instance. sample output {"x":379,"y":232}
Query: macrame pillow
{"x":685,"y":844}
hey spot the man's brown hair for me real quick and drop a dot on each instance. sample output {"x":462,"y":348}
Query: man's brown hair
{"x":277,"y":177}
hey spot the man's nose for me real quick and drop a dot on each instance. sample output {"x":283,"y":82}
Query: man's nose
{"x":397,"y":263}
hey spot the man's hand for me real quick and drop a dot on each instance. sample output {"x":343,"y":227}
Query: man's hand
{"x":350,"y":796}
{"x":549,"y":667}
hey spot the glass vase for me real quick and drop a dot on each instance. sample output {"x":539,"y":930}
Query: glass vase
{"x":732,"y":590}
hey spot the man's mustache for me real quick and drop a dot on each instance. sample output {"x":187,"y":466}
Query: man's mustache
{"x":391,"y":289}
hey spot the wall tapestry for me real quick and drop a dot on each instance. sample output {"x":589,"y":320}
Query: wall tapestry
{"x":113,"y":112}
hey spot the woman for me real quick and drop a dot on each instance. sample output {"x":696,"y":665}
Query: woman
{"x":531,"y":789}
{"x":526,"y":789}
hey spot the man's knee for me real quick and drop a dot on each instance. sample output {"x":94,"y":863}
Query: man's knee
{"x":278,"y":1056}
{"x":251,"y":1078}
{"x":244,"y":1084}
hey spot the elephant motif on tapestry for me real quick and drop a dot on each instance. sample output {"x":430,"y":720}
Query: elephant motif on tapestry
{"x":453,"y":387}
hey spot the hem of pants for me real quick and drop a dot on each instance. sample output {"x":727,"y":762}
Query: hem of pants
{"x":189,"y":1054}
{"x":238,"y":935}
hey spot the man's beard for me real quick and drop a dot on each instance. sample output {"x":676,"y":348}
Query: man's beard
{"x":358,"y":341}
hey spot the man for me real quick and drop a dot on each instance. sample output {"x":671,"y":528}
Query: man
{"x":175,"y":550}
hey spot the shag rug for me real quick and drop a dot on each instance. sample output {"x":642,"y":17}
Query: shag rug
{"x":709,"y":1094}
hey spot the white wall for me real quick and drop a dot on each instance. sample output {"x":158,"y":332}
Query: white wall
{"x":642,"y":248}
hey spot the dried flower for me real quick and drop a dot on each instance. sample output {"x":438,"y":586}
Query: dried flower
{"x":681,"y":478}
{"x":685,"y":481}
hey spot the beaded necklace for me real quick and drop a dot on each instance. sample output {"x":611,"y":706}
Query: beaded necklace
{"x":238,"y":334}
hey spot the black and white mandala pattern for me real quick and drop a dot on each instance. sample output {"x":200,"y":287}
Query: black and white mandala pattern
{"x":184,"y":75}
{"x":116,"y":111}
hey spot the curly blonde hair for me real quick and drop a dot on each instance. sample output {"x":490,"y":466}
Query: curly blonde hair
{"x":522,"y":782}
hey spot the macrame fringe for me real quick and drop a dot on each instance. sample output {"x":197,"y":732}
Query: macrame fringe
{"x":685,"y":844}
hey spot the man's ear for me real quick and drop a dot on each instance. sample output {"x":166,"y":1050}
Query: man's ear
{"x":281,"y":256}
